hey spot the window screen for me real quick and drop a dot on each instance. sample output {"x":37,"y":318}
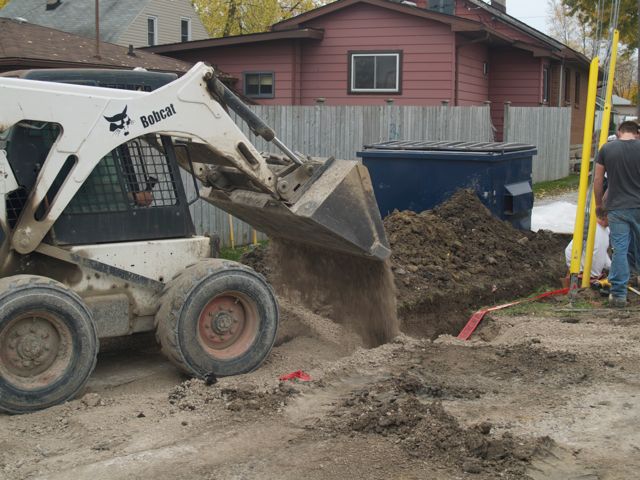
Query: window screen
{"x":375,"y":72}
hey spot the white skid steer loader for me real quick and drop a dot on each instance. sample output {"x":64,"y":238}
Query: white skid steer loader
{"x":98,"y":241}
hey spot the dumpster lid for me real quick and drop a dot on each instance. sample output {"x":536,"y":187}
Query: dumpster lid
{"x":451,"y":146}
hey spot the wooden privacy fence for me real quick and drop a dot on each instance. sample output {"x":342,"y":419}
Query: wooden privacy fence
{"x":549,"y":129}
{"x":341,"y":131}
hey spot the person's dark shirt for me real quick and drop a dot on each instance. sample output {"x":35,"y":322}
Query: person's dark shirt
{"x":621,"y":160}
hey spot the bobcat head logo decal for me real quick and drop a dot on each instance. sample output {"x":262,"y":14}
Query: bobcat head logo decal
{"x":119,"y":122}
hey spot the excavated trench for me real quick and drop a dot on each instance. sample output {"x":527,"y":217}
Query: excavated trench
{"x":446,"y":263}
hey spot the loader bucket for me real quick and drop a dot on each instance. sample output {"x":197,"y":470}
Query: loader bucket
{"x":337,"y":211}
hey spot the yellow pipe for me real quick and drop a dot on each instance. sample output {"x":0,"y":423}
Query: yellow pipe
{"x":231,"y":234}
{"x":578,"y":231}
{"x":604,"y":134}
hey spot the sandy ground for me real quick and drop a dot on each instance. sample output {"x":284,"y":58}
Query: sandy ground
{"x":549,"y":393}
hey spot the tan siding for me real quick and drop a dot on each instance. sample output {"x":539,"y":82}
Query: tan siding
{"x":168,"y":13}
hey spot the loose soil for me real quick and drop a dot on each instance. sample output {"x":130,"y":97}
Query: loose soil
{"x":452,"y":259}
{"x":550,"y":391}
{"x":446,"y":262}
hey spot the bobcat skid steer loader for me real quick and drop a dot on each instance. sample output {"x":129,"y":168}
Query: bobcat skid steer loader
{"x":97,"y":240}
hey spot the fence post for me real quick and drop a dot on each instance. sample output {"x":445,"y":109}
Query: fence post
{"x":445,"y":122}
{"x":505,"y":122}
{"x":492,"y":127}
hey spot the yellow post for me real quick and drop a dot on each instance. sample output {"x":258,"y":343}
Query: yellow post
{"x":604,"y":134}
{"x":254,"y":237}
{"x":231,"y":233}
{"x":578,"y":231}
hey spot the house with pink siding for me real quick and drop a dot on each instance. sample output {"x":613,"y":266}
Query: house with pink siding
{"x":375,"y":52}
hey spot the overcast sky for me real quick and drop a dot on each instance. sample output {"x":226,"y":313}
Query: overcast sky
{"x":531,"y":12}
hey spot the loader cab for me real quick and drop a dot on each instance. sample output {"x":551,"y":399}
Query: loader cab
{"x":134,"y":193}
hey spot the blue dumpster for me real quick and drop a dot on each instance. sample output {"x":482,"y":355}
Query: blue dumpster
{"x":418,"y":176}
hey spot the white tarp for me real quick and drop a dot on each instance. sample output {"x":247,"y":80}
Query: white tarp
{"x":559,"y":217}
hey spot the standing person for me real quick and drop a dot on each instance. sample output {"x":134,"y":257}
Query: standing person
{"x":620,"y":160}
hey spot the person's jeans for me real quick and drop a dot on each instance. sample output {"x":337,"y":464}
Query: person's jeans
{"x":624,"y":236}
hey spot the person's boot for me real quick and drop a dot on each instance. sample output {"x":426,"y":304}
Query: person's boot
{"x":617,"y":302}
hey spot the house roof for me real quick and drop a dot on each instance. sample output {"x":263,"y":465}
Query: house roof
{"x":620,"y":102}
{"x":290,"y":29}
{"x":540,"y":45}
{"x":78,"y":16}
{"x":32,"y":46}
{"x":300,"y":33}
{"x":563,"y":50}
{"x":514,"y":22}
{"x":457,"y":23}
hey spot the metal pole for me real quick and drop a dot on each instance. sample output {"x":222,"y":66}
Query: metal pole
{"x":232,"y":240}
{"x":578,"y":231}
{"x":98,"y":28}
{"x":604,"y":134}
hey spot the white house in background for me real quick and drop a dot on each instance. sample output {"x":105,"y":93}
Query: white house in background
{"x":140,"y":23}
{"x":622,"y":109}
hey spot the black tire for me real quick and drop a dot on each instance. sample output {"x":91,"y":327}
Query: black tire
{"x":217,"y":318}
{"x":48,"y":343}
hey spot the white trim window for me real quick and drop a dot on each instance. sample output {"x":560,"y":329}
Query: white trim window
{"x":152,"y":31}
{"x":185,"y":29}
{"x":374,"y":72}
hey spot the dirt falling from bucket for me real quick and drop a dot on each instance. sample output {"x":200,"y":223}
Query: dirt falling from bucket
{"x":356,"y":292}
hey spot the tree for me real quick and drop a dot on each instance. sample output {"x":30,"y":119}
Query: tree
{"x":625,"y":84}
{"x":587,"y":13}
{"x":628,"y":23}
{"x":236,"y":17}
{"x":568,"y":29}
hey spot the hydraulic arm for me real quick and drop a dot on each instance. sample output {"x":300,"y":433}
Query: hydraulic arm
{"x":327,"y":203}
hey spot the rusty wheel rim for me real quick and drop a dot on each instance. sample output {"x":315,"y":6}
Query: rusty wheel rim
{"x":228,"y":325}
{"x":35,"y":349}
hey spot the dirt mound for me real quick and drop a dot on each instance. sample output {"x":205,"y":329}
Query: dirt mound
{"x":394,"y":408}
{"x":457,"y":257}
{"x":258,"y":259}
{"x":446,"y":262}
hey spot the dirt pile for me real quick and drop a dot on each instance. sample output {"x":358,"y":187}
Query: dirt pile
{"x":399,"y":408}
{"x":457,"y":257}
{"x":446,"y":262}
{"x":258,"y":259}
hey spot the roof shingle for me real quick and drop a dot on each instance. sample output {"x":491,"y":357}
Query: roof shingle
{"x":31,"y":46}
{"x":78,"y":16}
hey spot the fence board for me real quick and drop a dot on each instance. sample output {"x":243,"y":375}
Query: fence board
{"x":549,"y":129}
